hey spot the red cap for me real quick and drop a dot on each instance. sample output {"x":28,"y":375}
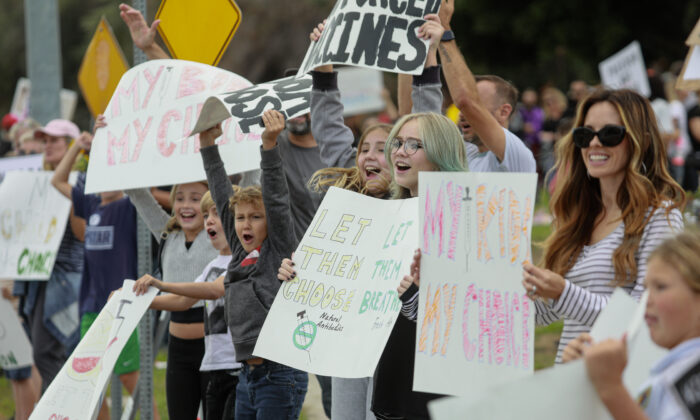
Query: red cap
{"x":8,"y":121}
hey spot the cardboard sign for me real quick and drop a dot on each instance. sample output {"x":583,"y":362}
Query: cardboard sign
{"x":378,"y":35}
{"x":335,"y":317}
{"x":149,"y":121}
{"x":77,"y":390}
{"x":626,"y":70}
{"x":20,"y":101}
{"x":360,"y":90}
{"x":15,"y":348}
{"x":565,"y":388}
{"x":475,"y":320}
{"x":290,"y":96}
{"x":19,"y":163}
{"x":33,"y":217}
{"x":101,"y":69}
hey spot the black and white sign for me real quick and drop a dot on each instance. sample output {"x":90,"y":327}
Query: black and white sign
{"x":379,"y":34}
{"x":626,"y":70}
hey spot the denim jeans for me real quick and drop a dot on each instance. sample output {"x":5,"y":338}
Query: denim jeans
{"x":270,"y":391}
{"x":221,"y":395}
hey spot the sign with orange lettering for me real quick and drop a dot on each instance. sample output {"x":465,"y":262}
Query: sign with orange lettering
{"x":474,"y":318}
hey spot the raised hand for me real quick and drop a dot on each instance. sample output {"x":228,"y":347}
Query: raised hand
{"x":447,"y":9}
{"x":431,"y":30}
{"x":208,"y":137}
{"x":142,"y":35}
{"x":286,"y":271}
{"x":314,"y":36}
{"x":274,"y":124}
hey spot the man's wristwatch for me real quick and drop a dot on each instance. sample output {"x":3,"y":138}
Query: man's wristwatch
{"x":447,"y":36}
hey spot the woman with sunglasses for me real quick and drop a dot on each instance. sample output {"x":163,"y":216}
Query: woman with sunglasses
{"x":614,"y":202}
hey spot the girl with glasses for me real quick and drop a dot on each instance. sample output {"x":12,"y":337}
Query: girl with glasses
{"x":614,"y":202}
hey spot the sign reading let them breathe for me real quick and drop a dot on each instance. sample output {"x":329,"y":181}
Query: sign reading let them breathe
{"x":102,"y":67}
{"x":379,"y":35}
{"x":198,"y":30}
{"x":474,"y":320}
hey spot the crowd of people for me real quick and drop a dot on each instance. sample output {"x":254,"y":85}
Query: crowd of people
{"x":616,"y":164}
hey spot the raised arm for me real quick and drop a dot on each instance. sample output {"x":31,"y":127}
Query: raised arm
{"x":149,"y":210}
{"x":423,"y":93}
{"x":62,"y":172}
{"x":142,"y":35}
{"x":334,"y":138}
{"x":462,"y":86}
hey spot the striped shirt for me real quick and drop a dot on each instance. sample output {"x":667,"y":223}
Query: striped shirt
{"x":70,"y":254}
{"x":590,"y":282}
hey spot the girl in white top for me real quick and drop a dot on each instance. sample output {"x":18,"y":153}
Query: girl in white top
{"x":614,"y":202}
{"x":673,"y":317}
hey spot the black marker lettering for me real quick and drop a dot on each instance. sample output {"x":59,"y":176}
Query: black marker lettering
{"x":387,"y":45}
{"x":409,"y":65}
{"x":412,"y":10}
{"x":342,"y":54}
{"x":368,"y":41}
{"x":397,"y":6}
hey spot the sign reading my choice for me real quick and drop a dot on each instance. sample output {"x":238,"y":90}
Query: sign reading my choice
{"x":375,"y":34}
{"x":343,"y":303}
{"x":474,"y":320}
{"x":33,"y":217}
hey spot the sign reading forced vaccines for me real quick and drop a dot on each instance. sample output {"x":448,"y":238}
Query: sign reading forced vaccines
{"x":245,"y":107}
{"x":15,"y":349}
{"x":626,"y":70}
{"x":102,"y":67}
{"x":475,"y":320}
{"x":33,"y":217}
{"x":379,"y":35}
{"x":76,"y":391}
{"x":149,"y":121}
{"x":335,"y":317}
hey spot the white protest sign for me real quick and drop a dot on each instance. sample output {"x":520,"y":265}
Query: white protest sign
{"x":475,"y":321}
{"x":564,"y":388}
{"x":149,"y":121}
{"x":689,"y":78}
{"x":626,"y":70}
{"x":335,"y":317}
{"x":378,"y":35}
{"x":20,"y":101}
{"x":33,"y":218}
{"x":360,"y":90}
{"x":77,"y":390}
{"x":18,"y":163}
{"x":245,"y":107}
{"x":15,"y":349}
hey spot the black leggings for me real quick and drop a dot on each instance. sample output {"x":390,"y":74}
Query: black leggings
{"x":185,"y":385}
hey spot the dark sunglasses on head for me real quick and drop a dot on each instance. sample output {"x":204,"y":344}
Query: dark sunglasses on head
{"x":609,"y":136}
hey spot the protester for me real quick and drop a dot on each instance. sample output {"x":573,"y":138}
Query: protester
{"x":16,"y":131}
{"x":53,"y":322}
{"x":692,"y":163}
{"x":110,"y":256}
{"x":554,"y":105}
{"x":265,"y":389}
{"x":29,"y":144}
{"x":679,"y":147}
{"x":578,"y":89}
{"x":219,"y":361}
{"x":8,"y":120}
{"x":673,"y":317}
{"x":614,"y":202}
{"x":533,"y":117}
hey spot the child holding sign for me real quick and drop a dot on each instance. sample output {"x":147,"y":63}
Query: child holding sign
{"x":265,"y":389}
{"x":219,"y":361}
{"x":673,"y":317}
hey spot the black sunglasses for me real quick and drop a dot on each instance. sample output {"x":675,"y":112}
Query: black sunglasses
{"x":609,"y":136}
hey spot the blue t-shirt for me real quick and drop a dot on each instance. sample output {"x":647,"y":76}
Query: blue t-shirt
{"x":110,"y":247}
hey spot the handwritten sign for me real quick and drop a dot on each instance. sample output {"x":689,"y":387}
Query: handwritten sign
{"x":149,"y":120}
{"x":17,"y":163}
{"x":360,"y":90}
{"x":23,"y":90}
{"x":33,"y":217}
{"x":689,"y":79}
{"x":76,"y":391}
{"x":626,"y":70}
{"x":335,"y":317}
{"x":15,"y":349}
{"x":245,"y":107}
{"x":474,"y":319}
{"x":378,"y":35}
{"x":565,"y":388}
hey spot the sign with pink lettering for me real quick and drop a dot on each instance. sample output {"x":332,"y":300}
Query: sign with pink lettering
{"x":148,"y":142}
{"x":475,"y":322}
{"x":334,"y":318}
{"x":77,"y":390}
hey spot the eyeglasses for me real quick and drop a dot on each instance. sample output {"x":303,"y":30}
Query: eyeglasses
{"x":609,"y":136}
{"x":410,"y":145}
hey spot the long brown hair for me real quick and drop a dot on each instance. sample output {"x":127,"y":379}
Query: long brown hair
{"x":346,"y":178}
{"x":576,"y":202}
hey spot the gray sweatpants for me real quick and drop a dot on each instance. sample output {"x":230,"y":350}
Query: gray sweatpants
{"x":352,"y":399}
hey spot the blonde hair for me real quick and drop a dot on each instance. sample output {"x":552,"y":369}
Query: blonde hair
{"x":346,"y":178}
{"x":250,"y":195}
{"x":576,"y":201}
{"x":682,"y":252}
{"x":172,"y":224}
{"x":442,"y":142}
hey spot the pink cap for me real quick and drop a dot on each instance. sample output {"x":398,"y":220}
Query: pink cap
{"x":59,"y":128}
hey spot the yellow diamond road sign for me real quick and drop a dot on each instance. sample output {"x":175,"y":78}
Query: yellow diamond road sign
{"x":102,"y":67}
{"x":198,"y":30}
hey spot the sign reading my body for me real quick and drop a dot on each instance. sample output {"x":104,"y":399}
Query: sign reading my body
{"x":140,"y":95}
